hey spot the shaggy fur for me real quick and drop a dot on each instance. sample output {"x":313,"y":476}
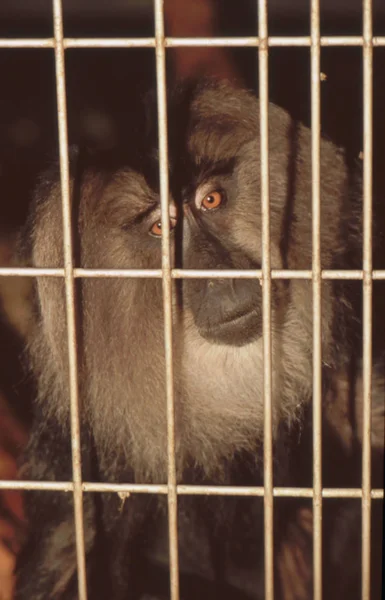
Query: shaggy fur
{"x":218,"y":349}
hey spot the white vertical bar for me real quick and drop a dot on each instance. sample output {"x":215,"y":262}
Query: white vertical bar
{"x":70,"y":297}
{"x":263,"y":50}
{"x":367,"y":292}
{"x":167,"y":291}
{"x":316,"y":271}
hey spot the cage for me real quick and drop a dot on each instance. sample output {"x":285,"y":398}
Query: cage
{"x":306,"y":57}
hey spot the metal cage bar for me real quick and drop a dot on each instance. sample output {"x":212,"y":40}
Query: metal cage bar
{"x":70,"y":298}
{"x":167,"y":293}
{"x":326,"y":274}
{"x":315,"y":56}
{"x":174,"y":42}
{"x":263,"y":63}
{"x":367,"y":291}
{"x":183,"y":490}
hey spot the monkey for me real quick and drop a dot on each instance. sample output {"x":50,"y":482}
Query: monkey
{"x":215,"y":223}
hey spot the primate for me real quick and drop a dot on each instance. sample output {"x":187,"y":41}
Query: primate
{"x":215,"y":221}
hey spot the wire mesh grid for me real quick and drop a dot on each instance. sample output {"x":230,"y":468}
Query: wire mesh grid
{"x":69,"y":273}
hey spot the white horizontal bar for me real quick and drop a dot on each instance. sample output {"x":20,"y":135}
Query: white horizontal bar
{"x":174,"y":42}
{"x":327,"y":274}
{"x":186,"y":490}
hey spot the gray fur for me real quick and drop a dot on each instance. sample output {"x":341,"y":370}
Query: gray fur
{"x":219,"y":387}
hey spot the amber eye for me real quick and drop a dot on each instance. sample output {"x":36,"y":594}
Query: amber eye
{"x":156,"y":228}
{"x":213,"y":200}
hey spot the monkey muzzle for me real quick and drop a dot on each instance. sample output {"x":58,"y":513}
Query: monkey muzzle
{"x":226,"y":311}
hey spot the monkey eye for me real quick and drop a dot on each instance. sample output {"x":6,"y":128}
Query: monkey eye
{"x":213,"y":200}
{"x":156,"y":228}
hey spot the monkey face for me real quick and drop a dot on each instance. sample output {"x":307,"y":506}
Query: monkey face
{"x":215,"y":210}
{"x":216,"y":181}
{"x":215,"y":213}
{"x":215,"y":223}
{"x":225,"y":311}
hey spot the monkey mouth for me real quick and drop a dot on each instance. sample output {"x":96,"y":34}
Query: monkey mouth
{"x":235,"y":329}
